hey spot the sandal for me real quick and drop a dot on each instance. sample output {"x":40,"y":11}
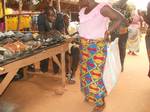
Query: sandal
{"x":99,"y":108}
{"x":71,"y":81}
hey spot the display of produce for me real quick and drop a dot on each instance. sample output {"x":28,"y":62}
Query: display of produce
{"x":33,"y":45}
{"x":14,"y":45}
{"x":5,"y":53}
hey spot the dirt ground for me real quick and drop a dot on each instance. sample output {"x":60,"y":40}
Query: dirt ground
{"x":36,"y":94}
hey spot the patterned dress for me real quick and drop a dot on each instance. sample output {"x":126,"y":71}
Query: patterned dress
{"x":93,"y":56}
{"x":93,"y":51}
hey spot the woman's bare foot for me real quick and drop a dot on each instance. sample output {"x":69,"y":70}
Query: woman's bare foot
{"x":134,"y":54}
{"x":98,"y":108}
{"x":129,"y":52}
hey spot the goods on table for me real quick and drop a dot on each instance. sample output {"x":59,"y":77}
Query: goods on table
{"x":14,"y":45}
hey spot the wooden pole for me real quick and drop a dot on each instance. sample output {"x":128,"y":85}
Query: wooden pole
{"x":51,"y":3}
{"x":58,"y":5}
{"x":48,"y":2}
{"x":19,"y":16}
{"x":5,"y":17}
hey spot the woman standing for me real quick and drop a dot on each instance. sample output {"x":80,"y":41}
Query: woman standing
{"x":146,"y":18}
{"x":133,"y":42}
{"x":93,"y":31}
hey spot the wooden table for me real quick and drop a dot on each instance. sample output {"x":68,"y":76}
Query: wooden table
{"x":12,"y":68}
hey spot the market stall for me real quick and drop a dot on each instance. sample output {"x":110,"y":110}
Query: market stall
{"x":15,"y":15}
{"x":19,"y":49}
{"x":17,"y":54}
{"x":12,"y":67}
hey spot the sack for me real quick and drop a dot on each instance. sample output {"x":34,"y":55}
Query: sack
{"x":112,"y":67}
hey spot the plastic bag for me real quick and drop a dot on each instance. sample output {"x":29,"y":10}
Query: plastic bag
{"x":112,"y":67}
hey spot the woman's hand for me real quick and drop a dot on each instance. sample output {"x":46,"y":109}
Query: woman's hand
{"x":106,"y":37}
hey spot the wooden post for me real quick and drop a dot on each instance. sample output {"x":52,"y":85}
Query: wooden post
{"x":31,"y":5}
{"x":63,"y":69}
{"x":51,"y":3}
{"x":58,"y":6}
{"x":19,"y":16}
{"x":5,"y":17}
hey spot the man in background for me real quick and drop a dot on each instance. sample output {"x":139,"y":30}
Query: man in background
{"x":122,"y":32}
{"x":51,"y":20}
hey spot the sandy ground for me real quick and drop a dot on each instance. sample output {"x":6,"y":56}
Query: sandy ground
{"x":36,"y":94}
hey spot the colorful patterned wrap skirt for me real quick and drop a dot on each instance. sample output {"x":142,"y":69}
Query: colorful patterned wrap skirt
{"x":92,"y":60}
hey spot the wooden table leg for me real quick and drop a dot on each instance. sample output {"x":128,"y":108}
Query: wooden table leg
{"x":50,"y":65}
{"x":25,"y":69}
{"x":63,"y":70}
{"x":56,"y":60}
{"x":37,"y":65}
{"x":61,"y":90}
{"x":5,"y":82}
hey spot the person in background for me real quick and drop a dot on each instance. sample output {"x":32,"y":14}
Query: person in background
{"x":47,"y":21}
{"x":72,"y":56}
{"x":122,"y":32}
{"x":94,"y":32}
{"x":146,"y":17}
{"x":51,"y":20}
{"x":133,"y":43}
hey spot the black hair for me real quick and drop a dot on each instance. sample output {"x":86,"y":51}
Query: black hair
{"x":49,"y":8}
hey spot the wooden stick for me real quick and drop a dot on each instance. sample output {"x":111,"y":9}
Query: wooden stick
{"x":28,"y":13}
{"x":58,"y":5}
{"x":19,"y":17}
{"x":4,"y":7}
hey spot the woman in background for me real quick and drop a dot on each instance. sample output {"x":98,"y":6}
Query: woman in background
{"x":122,"y":32}
{"x":133,"y":43}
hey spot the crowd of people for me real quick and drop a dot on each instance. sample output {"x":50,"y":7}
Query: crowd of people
{"x":99,"y":23}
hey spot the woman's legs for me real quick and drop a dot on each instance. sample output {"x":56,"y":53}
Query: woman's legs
{"x":100,"y":107}
{"x":147,"y":41}
{"x":93,"y":56}
{"x":122,"y":48}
